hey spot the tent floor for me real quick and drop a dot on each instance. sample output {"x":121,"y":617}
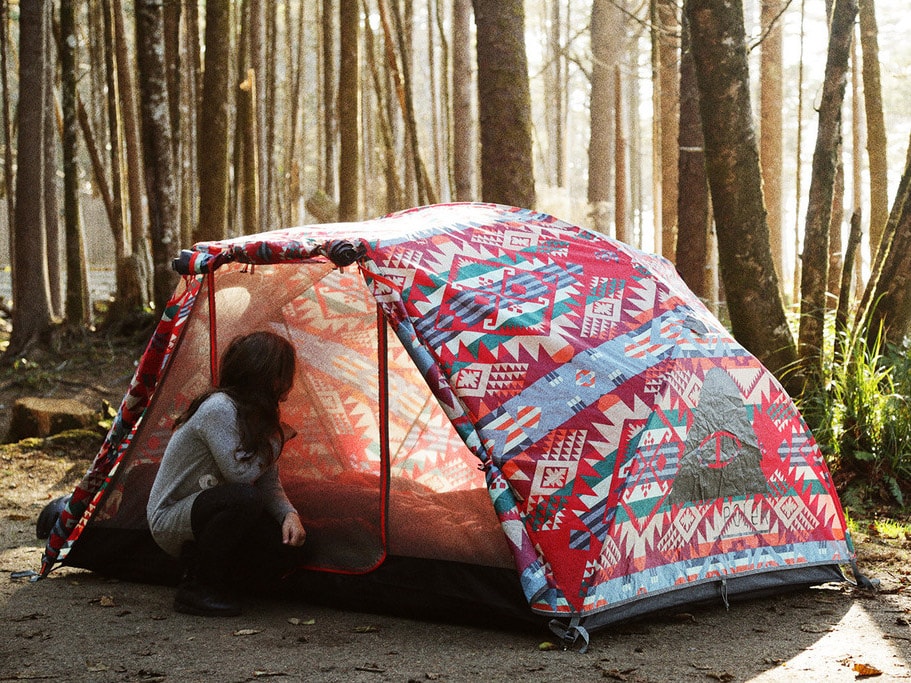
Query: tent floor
{"x":410,"y":587}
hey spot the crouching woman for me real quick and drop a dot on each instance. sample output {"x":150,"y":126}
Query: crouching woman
{"x":217,"y":502}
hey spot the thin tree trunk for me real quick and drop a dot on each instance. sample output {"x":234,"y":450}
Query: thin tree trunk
{"x":657,"y":140}
{"x":259,"y":98}
{"x":129,"y":289}
{"x":329,"y":98}
{"x":844,"y":291}
{"x":694,"y":218}
{"x":771,"y":151}
{"x":603,"y":153}
{"x":621,"y":222}
{"x":876,"y":128}
{"x":819,"y":203}
{"x":157,"y":147}
{"x":668,"y":47}
{"x":349,"y":111}
{"x":426,"y":193}
{"x":78,"y":308}
{"x":464,"y":137}
{"x":9,"y":177}
{"x":141,"y":257}
{"x":188,"y":105}
{"x":53,"y":129}
{"x":212,"y":137}
{"x":393,"y":185}
{"x":444,"y":142}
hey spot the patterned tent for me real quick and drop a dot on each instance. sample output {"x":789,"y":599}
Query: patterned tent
{"x":553,"y":403}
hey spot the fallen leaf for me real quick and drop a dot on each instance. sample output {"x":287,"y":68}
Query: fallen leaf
{"x":247,"y":632}
{"x":301,"y":622}
{"x":546,"y":645}
{"x":365,"y":629}
{"x":866,"y":671}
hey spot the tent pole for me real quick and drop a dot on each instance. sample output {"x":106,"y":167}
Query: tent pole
{"x":213,"y":336}
{"x":382,"y":350}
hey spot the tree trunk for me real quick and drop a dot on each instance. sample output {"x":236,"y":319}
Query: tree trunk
{"x":139,"y":239}
{"x":212,"y":137}
{"x":886,"y":306}
{"x":31,"y":291}
{"x":507,"y":172}
{"x":426,"y":194}
{"x":815,"y":259}
{"x":129,"y":296}
{"x":390,"y":171}
{"x":621,"y":223}
{"x":668,"y":73}
{"x":329,"y":98}
{"x":876,"y":127}
{"x":606,"y":23}
{"x":732,"y":165}
{"x":464,"y":137}
{"x":78,"y":307}
{"x":52,"y":132}
{"x":256,"y":45}
{"x":349,"y":111}
{"x":771,"y":151}
{"x":157,"y":147}
{"x":694,"y":219}
{"x":9,"y":178}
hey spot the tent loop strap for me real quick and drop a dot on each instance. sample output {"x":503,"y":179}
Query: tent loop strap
{"x":570,"y":633}
{"x":213,"y":334}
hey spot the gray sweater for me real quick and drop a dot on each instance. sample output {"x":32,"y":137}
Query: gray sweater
{"x":203,"y":452}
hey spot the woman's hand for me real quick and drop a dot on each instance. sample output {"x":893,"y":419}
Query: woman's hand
{"x":293,"y":532}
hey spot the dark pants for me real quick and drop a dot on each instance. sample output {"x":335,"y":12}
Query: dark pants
{"x":238,"y":545}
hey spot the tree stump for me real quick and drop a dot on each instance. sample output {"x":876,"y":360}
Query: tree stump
{"x":41,"y":417}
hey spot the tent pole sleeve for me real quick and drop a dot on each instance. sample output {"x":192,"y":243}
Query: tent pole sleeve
{"x":213,"y":337}
{"x":382,"y":349}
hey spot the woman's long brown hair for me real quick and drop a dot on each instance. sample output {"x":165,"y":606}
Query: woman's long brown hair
{"x":256,"y":371}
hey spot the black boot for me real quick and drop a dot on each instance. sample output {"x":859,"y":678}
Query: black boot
{"x":199,"y":597}
{"x":204,"y":601}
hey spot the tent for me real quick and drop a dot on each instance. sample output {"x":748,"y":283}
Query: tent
{"x":554,"y":407}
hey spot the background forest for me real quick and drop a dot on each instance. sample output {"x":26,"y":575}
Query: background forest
{"x":757,"y":144}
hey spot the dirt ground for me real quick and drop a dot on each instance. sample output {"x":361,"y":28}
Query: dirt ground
{"x":77,"y":626}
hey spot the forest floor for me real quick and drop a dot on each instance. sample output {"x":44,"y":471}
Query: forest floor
{"x":78,"y":626}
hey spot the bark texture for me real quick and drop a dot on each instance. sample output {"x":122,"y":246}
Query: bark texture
{"x":507,"y":174}
{"x":694,"y":218}
{"x":815,"y":259}
{"x":158,"y":162}
{"x":213,"y":127}
{"x":732,"y":165}
{"x":31,"y":290}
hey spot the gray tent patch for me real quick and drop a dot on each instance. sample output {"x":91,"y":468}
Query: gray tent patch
{"x":721,"y":455}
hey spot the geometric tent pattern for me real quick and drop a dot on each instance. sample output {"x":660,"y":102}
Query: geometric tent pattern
{"x":630,"y":446}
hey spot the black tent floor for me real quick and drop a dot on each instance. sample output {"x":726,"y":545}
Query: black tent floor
{"x":418,"y":588}
{"x":409,"y":587}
